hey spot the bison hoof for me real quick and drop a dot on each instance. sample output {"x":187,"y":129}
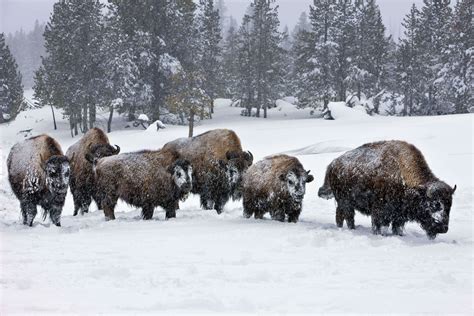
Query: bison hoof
{"x":58,"y":224}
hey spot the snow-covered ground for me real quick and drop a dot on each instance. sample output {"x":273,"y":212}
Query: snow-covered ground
{"x":202,"y":262}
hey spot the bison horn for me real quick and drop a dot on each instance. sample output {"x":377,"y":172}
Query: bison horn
{"x":250,"y":155}
{"x":307,"y":172}
{"x":454,"y":189}
{"x":117,"y":149}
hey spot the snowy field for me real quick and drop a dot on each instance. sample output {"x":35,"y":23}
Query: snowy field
{"x":205,"y":263}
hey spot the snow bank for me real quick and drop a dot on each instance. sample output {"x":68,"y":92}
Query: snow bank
{"x":205,"y":263}
{"x":222,"y":103}
{"x":339,"y":111}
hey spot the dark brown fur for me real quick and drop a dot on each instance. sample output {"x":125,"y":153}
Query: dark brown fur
{"x":142,"y":179}
{"x":390,"y":181}
{"x":265,"y":188}
{"x":215,"y":156}
{"x":93,"y":145}
{"x":35,"y":174}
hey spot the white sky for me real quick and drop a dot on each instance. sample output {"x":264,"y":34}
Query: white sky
{"x":17,"y":14}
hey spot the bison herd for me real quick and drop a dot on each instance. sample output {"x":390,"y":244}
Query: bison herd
{"x":388,"y":180}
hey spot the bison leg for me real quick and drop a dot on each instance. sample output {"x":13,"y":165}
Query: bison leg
{"x":339,"y":216}
{"x":82,"y":201}
{"x":293,"y":218}
{"x":248,"y":209}
{"x":28,"y":210}
{"x":108,"y":204}
{"x":398,"y":228}
{"x":147,"y":212}
{"x":376,"y":224}
{"x":55,"y":215}
{"x":349,"y":216}
{"x":278,"y":215}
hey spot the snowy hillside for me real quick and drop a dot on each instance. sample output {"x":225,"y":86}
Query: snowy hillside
{"x":203,"y":262}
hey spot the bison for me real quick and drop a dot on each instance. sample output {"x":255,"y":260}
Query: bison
{"x":277,"y":185}
{"x":144,"y":179}
{"x":218,"y":164}
{"x":93,"y":145}
{"x":391,"y":181}
{"x":39,"y":175}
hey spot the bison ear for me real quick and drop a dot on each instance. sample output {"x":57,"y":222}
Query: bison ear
{"x":171,"y":168}
{"x":454,"y":189}
{"x":231,"y":155}
{"x":282,"y":177}
{"x":89,"y":157}
{"x":309,"y":179}
{"x":222,"y":164}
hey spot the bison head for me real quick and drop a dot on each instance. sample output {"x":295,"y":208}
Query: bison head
{"x":237,"y":163}
{"x":436,"y":205}
{"x":295,"y":182}
{"x":181,"y":172}
{"x":101,"y":150}
{"x":57,"y":173}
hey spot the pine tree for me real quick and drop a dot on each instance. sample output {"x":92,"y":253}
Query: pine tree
{"x":344,"y":39}
{"x":455,"y":79}
{"x":409,"y":63}
{"x":246,"y":76}
{"x":11,"y":89}
{"x":230,"y":56}
{"x":210,"y":50}
{"x":72,"y":71}
{"x":371,"y":52}
{"x":316,"y":63}
{"x":261,"y":29}
{"x":435,"y":17}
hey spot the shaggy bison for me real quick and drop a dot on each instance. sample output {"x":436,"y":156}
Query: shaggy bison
{"x":277,"y":185}
{"x":144,"y":179}
{"x":218,"y":164}
{"x":93,"y":145}
{"x":391,"y":181}
{"x":39,"y":175}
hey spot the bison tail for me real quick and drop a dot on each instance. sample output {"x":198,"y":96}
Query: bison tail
{"x":325,"y":192}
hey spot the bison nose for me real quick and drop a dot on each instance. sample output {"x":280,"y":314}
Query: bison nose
{"x":444,"y":229}
{"x":186,"y":186}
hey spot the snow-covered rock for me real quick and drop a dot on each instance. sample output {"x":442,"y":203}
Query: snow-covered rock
{"x":143,"y":117}
{"x":339,"y":111}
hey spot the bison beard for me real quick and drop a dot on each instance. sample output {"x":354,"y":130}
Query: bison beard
{"x":391,"y":182}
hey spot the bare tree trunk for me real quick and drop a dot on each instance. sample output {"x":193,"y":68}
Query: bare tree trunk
{"x":212,"y":106}
{"x":92,"y":115}
{"x":191,"y":124}
{"x":76,"y":132}
{"x":54,"y":118}
{"x":109,"y":122}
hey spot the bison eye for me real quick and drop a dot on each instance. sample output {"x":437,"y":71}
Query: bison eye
{"x":178,"y":174}
{"x":290,"y":182}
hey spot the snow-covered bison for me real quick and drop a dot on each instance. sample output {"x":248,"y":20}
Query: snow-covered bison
{"x":218,"y":164}
{"x":39,"y":175}
{"x":277,"y":185}
{"x":391,"y":181}
{"x":144,"y":179}
{"x":93,"y":145}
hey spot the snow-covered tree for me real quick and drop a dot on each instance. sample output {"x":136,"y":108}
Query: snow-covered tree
{"x":210,"y":50}
{"x":455,"y":78}
{"x":11,"y":89}
{"x":72,"y":70}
